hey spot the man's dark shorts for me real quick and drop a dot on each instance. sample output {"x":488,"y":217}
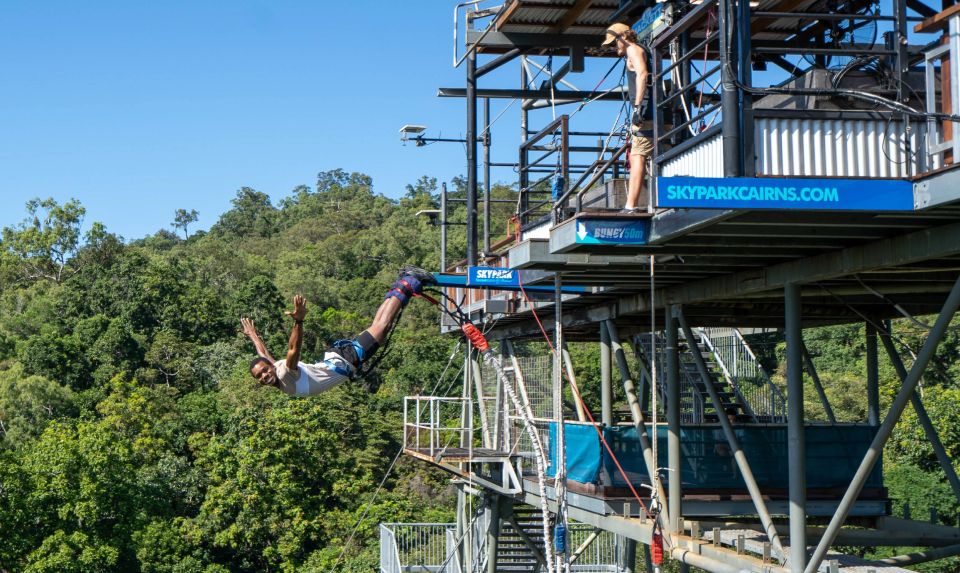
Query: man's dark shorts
{"x":356,"y":351}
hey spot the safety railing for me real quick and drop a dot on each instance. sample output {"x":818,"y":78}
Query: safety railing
{"x":432,"y":548}
{"x":418,"y":548}
{"x":745,"y":374}
{"x":693,"y":74}
{"x":472,"y":10}
{"x":537,"y":196}
{"x":599,"y":551}
{"x":433,"y":424}
{"x":943,"y":137}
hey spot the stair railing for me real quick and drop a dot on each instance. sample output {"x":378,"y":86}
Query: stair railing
{"x":692,"y":415}
{"x":746,"y":375}
{"x":721,"y":353}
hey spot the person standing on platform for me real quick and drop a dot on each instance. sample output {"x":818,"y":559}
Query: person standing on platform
{"x":624,"y":40}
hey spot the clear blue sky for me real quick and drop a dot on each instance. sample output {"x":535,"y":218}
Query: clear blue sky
{"x":140,"y":108}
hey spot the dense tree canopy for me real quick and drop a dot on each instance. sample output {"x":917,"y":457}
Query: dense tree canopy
{"x":132,"y":437}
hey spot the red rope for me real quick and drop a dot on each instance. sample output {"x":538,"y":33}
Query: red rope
{"x":576,"y":391}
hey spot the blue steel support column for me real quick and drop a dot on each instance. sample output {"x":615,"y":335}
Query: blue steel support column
{"x":796,"y":444}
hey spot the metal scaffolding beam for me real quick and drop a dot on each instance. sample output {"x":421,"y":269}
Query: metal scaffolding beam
{"x":796,"y":444}
{"x":637,"y":415}
{"x":886,"y":428}
{"x":812,"y":371}
{"x":738,"y":455}
{"x":922,"y":245}
{"x":931,"y":433}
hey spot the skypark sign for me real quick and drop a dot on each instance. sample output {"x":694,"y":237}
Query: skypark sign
{"x":792,"y":194}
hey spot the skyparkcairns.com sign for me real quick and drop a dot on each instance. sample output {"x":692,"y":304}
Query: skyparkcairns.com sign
{"x":785,"y":193}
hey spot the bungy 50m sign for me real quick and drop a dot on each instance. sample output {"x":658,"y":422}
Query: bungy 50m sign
{"x":793,"y":194}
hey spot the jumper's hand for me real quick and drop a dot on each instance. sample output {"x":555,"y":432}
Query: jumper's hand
{"x":299,"y":309}
{"x":247,"y":327}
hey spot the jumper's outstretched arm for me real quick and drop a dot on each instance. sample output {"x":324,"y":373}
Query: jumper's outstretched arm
{"x":296,"y":333}
{"x":250,"y":330}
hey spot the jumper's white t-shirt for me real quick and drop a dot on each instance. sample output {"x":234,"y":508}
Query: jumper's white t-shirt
{"x":310,"y":379}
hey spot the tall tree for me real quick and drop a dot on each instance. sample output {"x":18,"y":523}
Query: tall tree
{"x":183,"y":218}
{"x":47,"y":239}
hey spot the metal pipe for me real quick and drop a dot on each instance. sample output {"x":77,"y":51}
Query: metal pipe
{"x":812,"y":371}
{"x":493,"y":532}
{"x":729,"y":96}
{"x":524,"y":132}
{"x":606,"y":379}
{"x":931,"y":433}
{"x":485,"y":433}
{"x":745,"y":76}
{"x":886,"y":428}
{"x":629,"y":556}
{"x":637,"y":414}
{"x":873,"y":376}
{"x":818,"y":16}
{"x":499,"y":61}
{"x":560,"y":477}
{"x":443,"y":227}
{"x":577,"y":399}
{"x":796,"y":442}
{"x":673,"y":420}
{"x":706,"y":563}
{"x":738,"y":455}
{"x":586,"y":544}
{"x":486,"y":176}
{"x":921,"y":556}
{"x":471,"y":158}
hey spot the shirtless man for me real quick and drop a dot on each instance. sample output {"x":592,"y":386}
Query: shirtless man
{"x":343,"y":360}
{"x":641,"y":143}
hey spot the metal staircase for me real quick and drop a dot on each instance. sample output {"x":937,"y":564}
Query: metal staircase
{"x":517,"y":534}
{"x":746,"y":393}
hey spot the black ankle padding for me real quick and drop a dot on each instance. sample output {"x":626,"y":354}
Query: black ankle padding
{"x":368,"y":343}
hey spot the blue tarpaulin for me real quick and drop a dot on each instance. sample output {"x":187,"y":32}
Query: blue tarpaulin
{"x":833,"y":454}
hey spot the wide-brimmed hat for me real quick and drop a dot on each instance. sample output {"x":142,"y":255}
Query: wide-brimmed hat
{"x":615,"y":31}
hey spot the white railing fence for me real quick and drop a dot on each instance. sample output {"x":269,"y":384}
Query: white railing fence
{"x":418,"y":548}
{"x":431,"y":548}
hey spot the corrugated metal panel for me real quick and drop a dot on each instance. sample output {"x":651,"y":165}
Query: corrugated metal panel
{"x":837,"y":148}
{"x":704,"y":160}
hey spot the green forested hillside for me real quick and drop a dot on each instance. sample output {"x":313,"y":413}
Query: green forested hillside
{"x":132,"y":437}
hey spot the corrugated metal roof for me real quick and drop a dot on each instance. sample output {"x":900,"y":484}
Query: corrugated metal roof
{"x":548,"y":15}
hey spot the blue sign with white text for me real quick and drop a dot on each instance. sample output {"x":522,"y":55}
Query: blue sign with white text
{"x":493,"y":277}
{"x":612,"y":231}
{"x":786,"y":193}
